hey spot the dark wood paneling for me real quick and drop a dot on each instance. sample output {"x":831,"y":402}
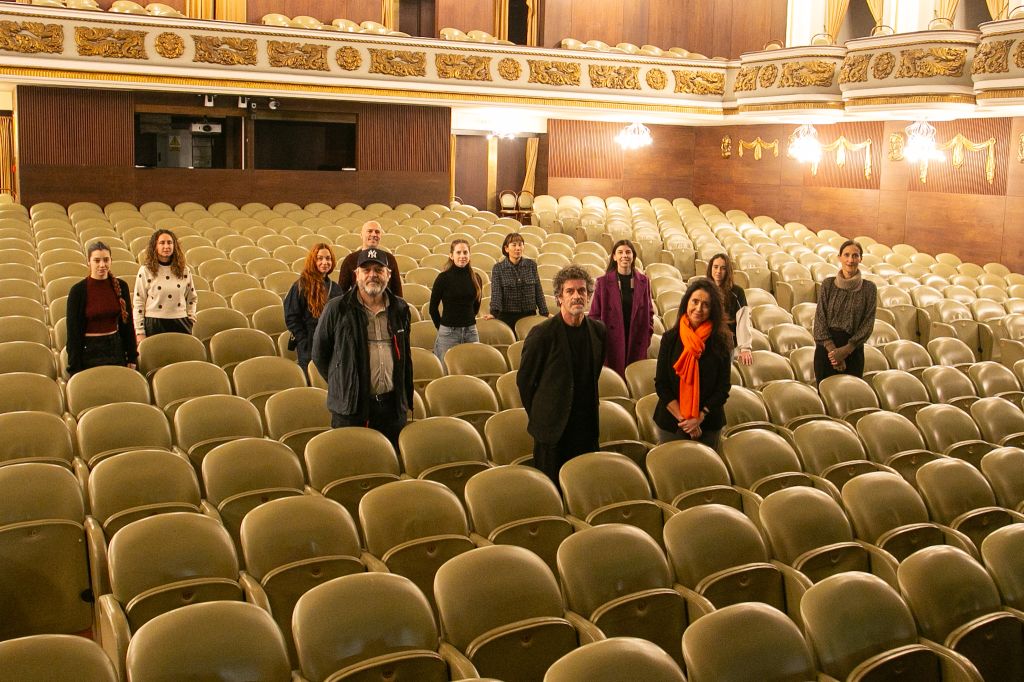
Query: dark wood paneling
{"x":1014,"y":166}
{"x":597,"y":20}
{"x":324,"y":10}
{"x":511,"y":164}
{"x":892,"y":217}
{"x":635,"y":27}
{"x":849,"y":211}
{"x":465,"y":15}
{"x":394,"y":137}
{"x":471,"y":169}
{"x":581,"y":187}
{"x":970,"y":177}
{"x":66,"y":127}
{"x":1013,"y":235}
{"x":556,"y":22}
{"x":851,"y":174}
{"x":969,"y":225}
{"x":583,"y":149}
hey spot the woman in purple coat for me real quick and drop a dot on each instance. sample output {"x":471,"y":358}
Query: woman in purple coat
{"x":622,"y":300}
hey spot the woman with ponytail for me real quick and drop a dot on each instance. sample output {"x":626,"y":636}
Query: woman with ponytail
{"x":307,"y":298}
{"x":455,"y":301}
{"x":99,"y":318}
{"x":692,"y":375}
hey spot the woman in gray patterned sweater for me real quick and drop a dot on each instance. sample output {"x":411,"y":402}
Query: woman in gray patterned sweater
{"x":845,"y":317}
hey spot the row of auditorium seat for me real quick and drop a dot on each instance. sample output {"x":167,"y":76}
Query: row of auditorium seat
{"x":153,"y":9}
{"x":630,"y":48}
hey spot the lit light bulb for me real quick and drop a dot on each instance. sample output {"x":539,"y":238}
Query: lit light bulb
{"x":634,"y":137}
{"x":920,"y":144}
{"x":804,"y":145}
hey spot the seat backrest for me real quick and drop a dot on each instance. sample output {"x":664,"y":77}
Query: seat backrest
{"x":997,"y":418}
{"x":886,"y":433}
{"x":260,"y":376}
{"x":744,"y":405}
{"x":1002,"y":468}
{"x":896,"y":388}
{"x":42,"y":658}
{"x":162,"y":562}
{"x":749,"y":641}
{"x":823,"y":443}
{"x":297,"y":409}
{"x":250,"y":465}
{"x":754,"y":454}
{"x":947,"y":350}
{"x":801,"y":519}
{"x":507,"y":437}
{"x":214,"y":640}
{"x":787,"y":400}
{"x":1003,"y":554}
{"x":598,"y":479}
{"x":951,"y":487}
{"x":35,"y":437}
{"x":109,"y":429}
{"x":945,"y":383}
{"x":429,"y":442}
{"x":355,"y":619}
{"x":163,"y":349}
{"x":102,"y":385}
{"x":944,"y":425}
{"x":475,"y":359}
{"x":457,"y":394}
{"x":992,"y":378}
{"x":703,"y":540}
{"x":409,"y":510}
{"x":211,"y":418}
{"x":189,"y":379}
{"x":679,"y":467}
{"x":946,"y":588}
{"x":504,"y":495}
{"x":616,"y":659}
{"x":767,"y":366}
{"x":843,"y":393}
{"x":132,"y":485}
{"x":878,"y":502}
{"x":851,"y":617}
{"x":27,"y":391}
{"x":27,"y":356}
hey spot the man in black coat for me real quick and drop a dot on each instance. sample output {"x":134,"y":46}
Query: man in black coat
{"x":558,"y":375}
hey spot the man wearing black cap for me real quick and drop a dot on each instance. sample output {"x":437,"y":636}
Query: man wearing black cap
{"x":361,"y":345}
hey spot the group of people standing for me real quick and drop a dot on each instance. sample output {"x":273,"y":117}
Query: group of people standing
{"x":356,"y":332}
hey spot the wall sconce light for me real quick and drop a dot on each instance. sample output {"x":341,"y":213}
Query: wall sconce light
{"x":920,"y":144}
{"x":634,"y":137}
{"x":804,"y":145}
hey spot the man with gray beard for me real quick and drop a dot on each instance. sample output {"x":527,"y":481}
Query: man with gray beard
{"x":361,"y":345}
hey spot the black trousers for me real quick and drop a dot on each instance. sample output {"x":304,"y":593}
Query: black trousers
{"x":823,"y":367}
{"x":99,"y":351}
{"x":549,"y":457}
{"x":159,"y":325}
{"x":384,"y":417}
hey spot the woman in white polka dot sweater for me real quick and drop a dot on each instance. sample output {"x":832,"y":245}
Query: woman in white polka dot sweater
{"x":165,"y":297}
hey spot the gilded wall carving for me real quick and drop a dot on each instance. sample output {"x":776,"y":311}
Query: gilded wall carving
{"x":700,"y":82}
{"x":1018,"y":55}
{"x":302,"y":56}
{"x":931,"y":62}
{"x":110,"y":43}
{"x":896,"y":144}
{"x":509,"y":69}
{"x":553,"y":73}
{"x":656,"y":79}
{"x":726,"y":146}
{"x":348,"y":58}
{"x":224,"y":51}
{"x":759,"y":145}
{"x":883,"y":65}
{"x":399,"y":63}
{"x":614,"y":77}
{"x":31,"y":37}
{"x":992,"y":57}
{"x":855,"y":68}
{"x":463,"y":67}
{"x":746,"y":79}
{"x":170,"y":45}
{"x":813,"y":74}
{"x":769,"y":72}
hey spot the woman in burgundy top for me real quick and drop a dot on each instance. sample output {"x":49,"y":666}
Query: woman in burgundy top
{"x":99,"y":319}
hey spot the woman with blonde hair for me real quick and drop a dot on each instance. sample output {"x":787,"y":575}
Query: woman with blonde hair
{"x":165,"y":297}
{"x":306,"y":300}
{"x":455,"y":300}
{"x":99,"y":317}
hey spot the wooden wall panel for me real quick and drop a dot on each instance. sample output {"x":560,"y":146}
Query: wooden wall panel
{"x":471,"y":169}
{"x":969,"y":224}
{"x":394,"y":137}
{"x":583,"y":149}
{"x":851,"y":174}
{"x":511,"y":164}
{"x":324,"y":10}
{"x":1013,"y":235}
{"x":969,"y":178}
{"x":465,"y":15}
{"x":66,"y":127}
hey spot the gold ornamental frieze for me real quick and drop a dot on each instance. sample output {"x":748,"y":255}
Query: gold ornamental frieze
{"x":656,"y":79}
{"x":224,"y":51}
{"x":31,"y":37}
{"x":992,"y":57}
{"x":614,"y":77}
{"x":855,"y":68}
{"x":348,"y":58}
{"x":883,"y":65}
{"x":170,"y":45}
{"x":547,"y":72}
{"x":510,"y":69}
{"x":726,"y":146}
{"x":932,"y":62}
{"x":746,"y":79}
{"x":300,"y":56}
{"x":463,"y":67}
{"x":110,"y":43}
{"x":700,"y":82}
{"x":401,"y":63}
{"x":812,"y":74}
{"x":769,"y":72}
{"x":1018,"y":55}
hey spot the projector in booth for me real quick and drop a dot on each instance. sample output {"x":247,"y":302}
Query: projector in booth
{"x":206,"y":128}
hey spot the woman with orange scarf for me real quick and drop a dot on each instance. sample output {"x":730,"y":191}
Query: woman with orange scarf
{"x":692,"y":376}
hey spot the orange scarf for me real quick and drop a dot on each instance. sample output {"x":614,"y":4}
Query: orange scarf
{"x":686,"y":367}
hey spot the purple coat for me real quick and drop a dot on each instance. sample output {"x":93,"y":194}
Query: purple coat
{"x":607,"y":307}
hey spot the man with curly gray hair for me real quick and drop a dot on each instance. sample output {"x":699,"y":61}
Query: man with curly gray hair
{"x":558,"y":375}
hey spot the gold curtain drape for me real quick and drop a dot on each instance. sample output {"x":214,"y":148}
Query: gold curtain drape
{"x":501,"y":19}
{"x":998,"y":9}
{"x":7,"y":156}
{"x":533,"y":22}
{"x":876,"y":7}
{"x":835,"y":12}
{"x":389,"y":14}
{"x":530,"y":178}
{"x":222,"y":10}
{"x":946,"y":9}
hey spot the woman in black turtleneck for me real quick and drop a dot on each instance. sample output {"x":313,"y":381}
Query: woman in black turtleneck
{"x":455,"y":301}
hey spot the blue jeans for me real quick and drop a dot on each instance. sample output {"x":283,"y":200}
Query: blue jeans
{"x":448,"y":337}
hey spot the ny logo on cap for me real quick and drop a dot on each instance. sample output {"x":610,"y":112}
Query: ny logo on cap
{"x":372,"y":253}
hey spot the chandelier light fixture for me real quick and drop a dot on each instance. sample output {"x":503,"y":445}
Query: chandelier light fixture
{"x":804,"y":145}
{"x":920,"y":144}
{"x":634,"y":137}
{"x":503,"y":132}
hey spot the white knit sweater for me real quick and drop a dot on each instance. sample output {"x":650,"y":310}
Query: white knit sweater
{"x":163,"y":296}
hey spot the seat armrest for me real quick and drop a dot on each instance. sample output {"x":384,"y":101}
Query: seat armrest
{"x":585,"y":630}
{"x":96,"y":540}
{"x":373,"y":563}
{"x":955,"y":667}
{"x":112,"y":632}
{"x":697,"y":605}
{"x":577,"y":523}
{"x":883,"y":564}
{"x":459,"y":667}
{"x":253,"y":591}
{"x":479,"y":540}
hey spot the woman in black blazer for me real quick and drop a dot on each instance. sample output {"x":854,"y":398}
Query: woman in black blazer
{"x":692,"y":375}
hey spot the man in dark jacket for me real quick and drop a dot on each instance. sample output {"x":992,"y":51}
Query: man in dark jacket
{"x":558,"y":375}
{"x":361,"y":345}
